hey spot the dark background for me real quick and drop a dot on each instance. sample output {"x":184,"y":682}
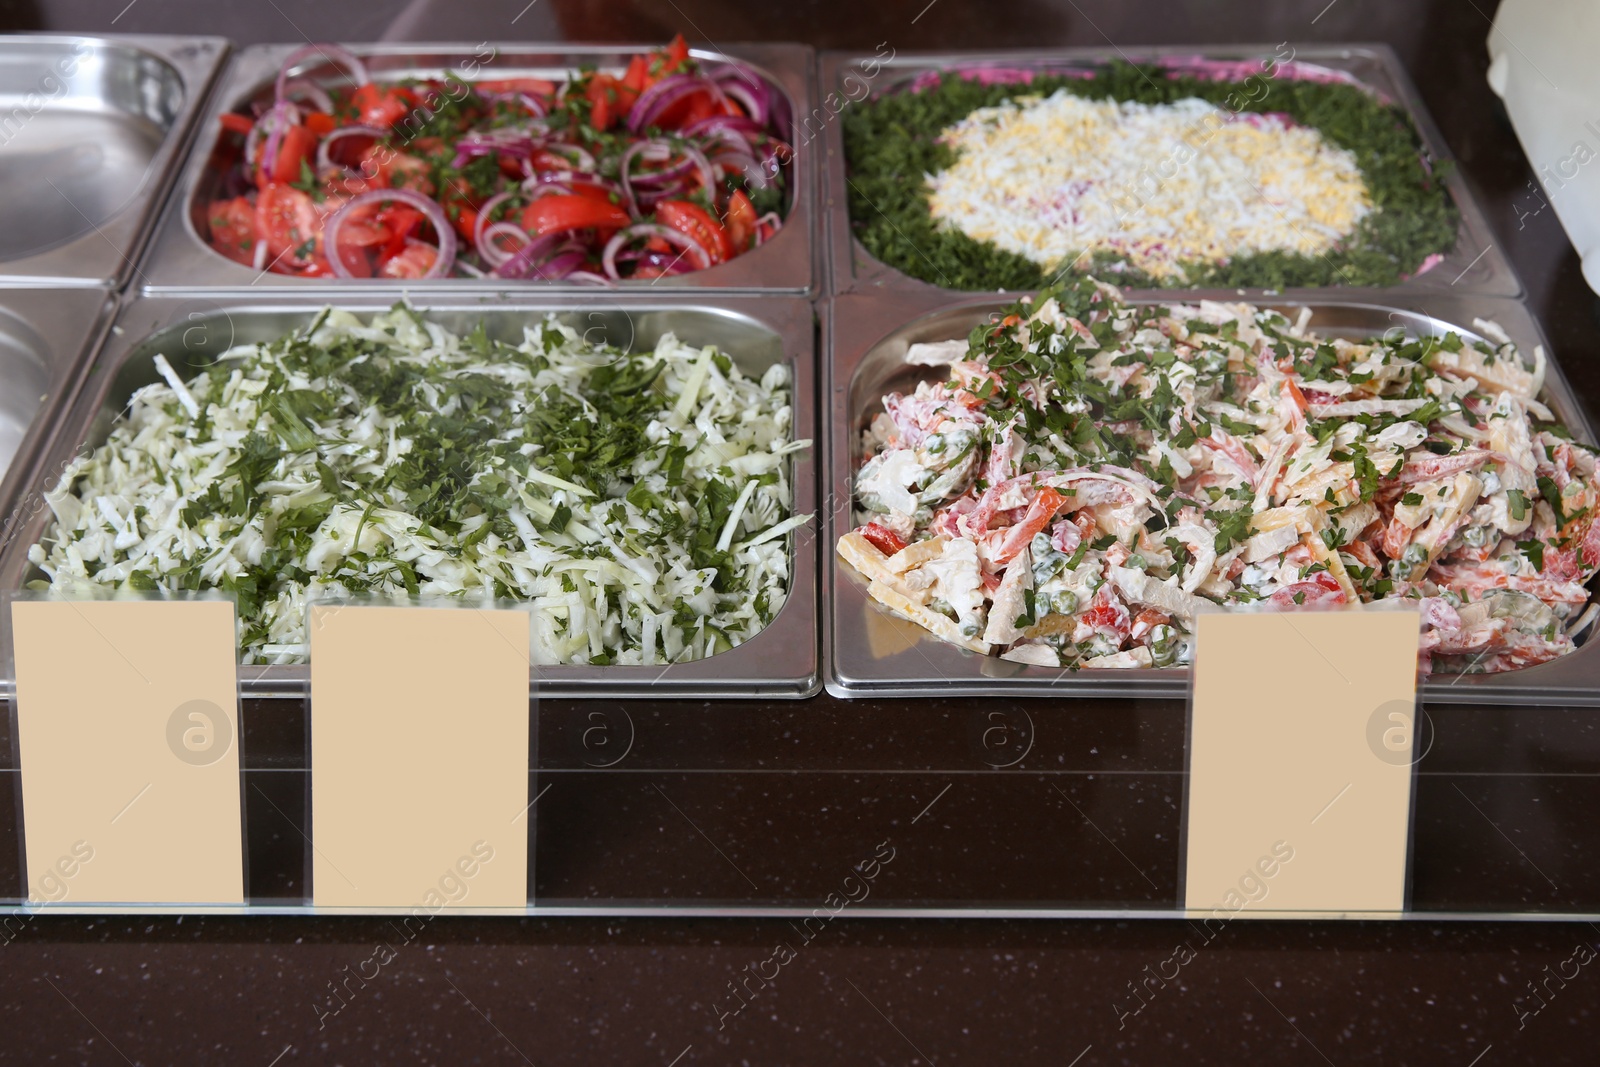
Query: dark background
{"x":469,"y":991}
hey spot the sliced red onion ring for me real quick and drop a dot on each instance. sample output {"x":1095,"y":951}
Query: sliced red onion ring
{"x":704,"y":165}
{"x":539,"y":190}
{"x":484,"y":234}
{"x":274,"y":120}
{"x":584,"y":161}
{"x":469,"y":270}
{"x":285,"y":115}
{"x":523,"y":260}
{"x":753,"y":105}
{"x":430,"y":211}
{"x":739,"y":158}
{"x":589,"y":277}
{"x":324,"y":150}
{"x":311,"y":90}
{"x":676,"y":238}
{"x":665,"y":174}
{"x":559,"y":266}
{"x":747,"y":87}
{"x":719,"y":123}
{"x":662,"y":95}
{"x":510,"y":142}
{"x":719,"y":138}
{"x":653,"y":151}
{"x":769,"y":219}
{"x":488,"y":247}
{"x":328,"y":52}
{"x":595,"y":181}
{"x":527,"y":100}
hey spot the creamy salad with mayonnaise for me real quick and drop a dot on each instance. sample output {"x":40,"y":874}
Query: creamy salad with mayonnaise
{"x":1071,"y":484}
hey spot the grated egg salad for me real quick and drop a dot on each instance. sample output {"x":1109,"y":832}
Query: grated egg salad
{"x":1057,"y":178}
{"x":640,"y":500}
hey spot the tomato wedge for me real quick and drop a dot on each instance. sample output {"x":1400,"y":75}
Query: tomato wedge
{"x":321,"y":124}
{"x":692,"y":108}
{"x":381,"y":107}
{"x":397,"y":170}
{"x":400,"y":222}
{"x":638,"y":72}
{"x":233,"y":228}
{"x":741,"y":222}
{"x":318,"y":267}
{"x":693,"y":220}
{"x":358,"y":237}
{"x":299,"y":145}
{"x":553,"y":214}
{"x":236,"y":123}
{"x":609,"y":100}
{"x":592,"y":192}
{"x":531,"y":86}
{"x":354,"y":258}
{"x":882,"y":538}
{"x":414,"y":262}
{"x":288,"y":221}
{"x":670,"y":60}
{"x":676,"y":54}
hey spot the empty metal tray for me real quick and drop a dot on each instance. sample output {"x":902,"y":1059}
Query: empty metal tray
{"x":45,"y":336}
{"x":91,"y":129}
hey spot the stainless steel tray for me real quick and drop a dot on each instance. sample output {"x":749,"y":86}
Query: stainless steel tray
{"x":45,"y":335}
{"x":180,"y":259}
{"x":779,"y":662}
{"x":91,"y":129}
{"x":1475,"y":265}
{"x":869,"y":651}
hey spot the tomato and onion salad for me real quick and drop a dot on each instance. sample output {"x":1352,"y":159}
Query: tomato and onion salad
{"x":662,"y":170}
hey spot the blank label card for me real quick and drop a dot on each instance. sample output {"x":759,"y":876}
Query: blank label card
{"x":1299,"y":795}
{"x":419,"y":757}
{"x":128,"y":726}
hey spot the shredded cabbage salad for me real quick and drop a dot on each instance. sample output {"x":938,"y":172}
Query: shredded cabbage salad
{"x":1073,"y":483}
{"x":639,"y":500}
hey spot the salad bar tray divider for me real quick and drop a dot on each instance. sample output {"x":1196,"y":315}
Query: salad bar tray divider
{"x":46,"y":338}
{"x":781,"y":661}
{"x":97,"y":128}
{"x":870,"y":652}
{"x":849,"y":81}
{"x":181,"y":258}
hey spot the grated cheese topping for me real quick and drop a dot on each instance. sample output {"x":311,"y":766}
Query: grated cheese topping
{"x":1056,"y":178}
